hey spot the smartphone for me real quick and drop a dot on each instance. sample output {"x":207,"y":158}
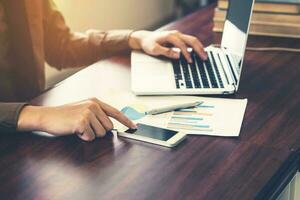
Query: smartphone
{"x":154,"y":135}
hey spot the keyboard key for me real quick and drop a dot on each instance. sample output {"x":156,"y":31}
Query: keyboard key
{"x":217,"y":71}
{"x":186,"y":72}
{"x":177,"y":72}
{"x":202,"y":71}
{"x":195,"y":76}
{"x":211,"y":74}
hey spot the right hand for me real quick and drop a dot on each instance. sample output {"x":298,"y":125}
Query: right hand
{"x":88,"y":119}
{"x":156,"y":43}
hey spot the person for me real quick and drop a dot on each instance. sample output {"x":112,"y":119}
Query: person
{"x":34,"y":32}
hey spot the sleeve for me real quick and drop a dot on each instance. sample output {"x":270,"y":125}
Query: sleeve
{"x":9,"y":115}
{"x":64,"y":49}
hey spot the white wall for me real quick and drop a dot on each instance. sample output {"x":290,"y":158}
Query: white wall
{"x":81,"y":15}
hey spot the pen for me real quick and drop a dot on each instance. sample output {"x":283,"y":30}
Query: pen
{"x":174,"y":107}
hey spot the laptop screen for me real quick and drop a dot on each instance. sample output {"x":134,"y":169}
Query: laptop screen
{"x":235,"y":31}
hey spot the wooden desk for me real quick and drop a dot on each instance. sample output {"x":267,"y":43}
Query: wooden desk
{"x":256,"y":164}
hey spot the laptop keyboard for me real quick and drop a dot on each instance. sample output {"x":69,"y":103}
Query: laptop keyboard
{"x":199,"y":74}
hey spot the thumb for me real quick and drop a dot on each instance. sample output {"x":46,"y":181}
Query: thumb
{"x":168,"y":52}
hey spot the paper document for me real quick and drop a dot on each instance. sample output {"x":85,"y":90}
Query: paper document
{"x":215,"y":117}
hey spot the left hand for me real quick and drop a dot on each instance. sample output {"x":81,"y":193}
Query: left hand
{"x":155,"y":43}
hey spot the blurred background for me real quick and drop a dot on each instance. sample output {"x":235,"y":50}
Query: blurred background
{"x":115,"y":14}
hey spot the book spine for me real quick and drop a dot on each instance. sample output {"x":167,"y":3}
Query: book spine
{"x":268,"y":7}
{"x":266,"y":29}
{"x":264,"y":17}
{"x":280,"y":1}
{"x":276,"y":1}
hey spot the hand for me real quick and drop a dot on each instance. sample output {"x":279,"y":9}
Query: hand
{"x":155,"y":43}
{"x":88,"y":119}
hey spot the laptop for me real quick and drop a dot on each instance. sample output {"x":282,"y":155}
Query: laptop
{"x":219,"y":74}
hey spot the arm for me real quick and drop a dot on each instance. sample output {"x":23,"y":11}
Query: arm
{"x":65,"y":49}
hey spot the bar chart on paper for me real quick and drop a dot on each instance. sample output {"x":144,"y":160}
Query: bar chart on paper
{"x":192,"y":120}
{"x":209,"y":118}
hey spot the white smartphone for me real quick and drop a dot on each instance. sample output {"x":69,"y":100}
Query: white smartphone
{"x":155,"y":135}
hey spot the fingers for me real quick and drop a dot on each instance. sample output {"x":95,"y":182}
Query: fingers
{"x":182,"y":42}
{"x":168,"y":52}
{"x":88,"y":119}
{"x":116,"y":114}
{"x":179,"y":43}
{"x":92,"y":127}
{"x":97,"y":127}
{"x":195,"y":44}
{"x":87,"y":134}
{"x":102,"y":117}
{"x":95,"y":120}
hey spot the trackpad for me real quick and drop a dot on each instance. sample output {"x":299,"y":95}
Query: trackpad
{"x":156,"y":75}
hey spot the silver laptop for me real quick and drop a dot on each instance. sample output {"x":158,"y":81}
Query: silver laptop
{"x":219,"y":74}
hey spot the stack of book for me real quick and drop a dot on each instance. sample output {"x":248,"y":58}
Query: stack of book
{"x":270,"y":18}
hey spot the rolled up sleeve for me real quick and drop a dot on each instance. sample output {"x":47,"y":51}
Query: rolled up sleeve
{"x":9,"y":115}
{"x":65,"y":49}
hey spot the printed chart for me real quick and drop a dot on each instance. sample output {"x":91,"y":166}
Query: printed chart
{"x":210,"y":118}
{"x":192,"y":121}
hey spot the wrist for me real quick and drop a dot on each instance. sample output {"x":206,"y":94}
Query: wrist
{"x":30,"y":119}
{"x":135,"y":39}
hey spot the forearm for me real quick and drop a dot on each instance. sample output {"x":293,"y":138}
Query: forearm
{"x":76,"y":50}
{"x":64,"y":49}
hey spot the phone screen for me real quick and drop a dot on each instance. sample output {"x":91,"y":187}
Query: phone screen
{"x":152,"y":132}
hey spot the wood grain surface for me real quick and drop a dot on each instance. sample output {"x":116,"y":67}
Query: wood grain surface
{"x":202,"y":167}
